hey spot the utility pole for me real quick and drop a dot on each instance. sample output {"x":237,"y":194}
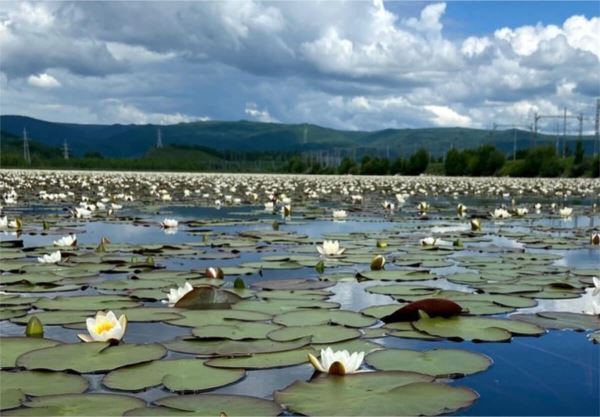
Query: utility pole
{"x":65,"y":150}
{"x":564,"y":150}
{"x":514,"y":127}
{"x":26,"y":154}
{"x":597,"y":127}
{"x":159,"y":143}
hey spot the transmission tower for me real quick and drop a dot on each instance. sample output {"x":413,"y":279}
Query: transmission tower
{"x":514,"y":128}
{"x":65,"y":150}
{"x":564,"y":118}
{"x":159,"y":143}
{"x":597,"y":127}
{"x":26,"y":154}
{"x":305,"y":136}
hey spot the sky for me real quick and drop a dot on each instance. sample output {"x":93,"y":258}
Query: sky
{"x":354,"y":65}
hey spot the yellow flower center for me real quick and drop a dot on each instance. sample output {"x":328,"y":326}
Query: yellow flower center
{"x":104,"y":327}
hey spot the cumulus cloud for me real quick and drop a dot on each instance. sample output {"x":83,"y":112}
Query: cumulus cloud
{"x":253,"y":111}
{"x":119,"y":112}
{"x":43,"y":81}
{"x":354,"y":65}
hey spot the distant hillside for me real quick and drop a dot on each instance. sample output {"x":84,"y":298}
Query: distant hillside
{"x":244,"y":136}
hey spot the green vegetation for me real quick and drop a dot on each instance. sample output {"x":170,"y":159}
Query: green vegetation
{"x":485,"y":160}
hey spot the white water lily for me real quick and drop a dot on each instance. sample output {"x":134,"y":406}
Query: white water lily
{"x":175,"y":294}
{"x":340,"y":362}
{"x":52,"y":258}
{"x":428,"y":241}
{"x":461,"y":209}
{"x":475,"y":224}
{"x":16,"y":224}
{"x":167,"y":223}
{"x":596,"y":282}
{"x":565,"y":211}
{"x":286,"y":210}
{"x":269,"y":206}
{"x":500,"y":213}
{"x":65,"y":241}
{"x":521,"y":211}
{"x":330,"y":248}
{"x":388,"y":205}
{"x":423,"y":206}
{"x":3,"y":222}
{"x":82,"y":213}
{"x":104,"y":328}
{"x":538,"y":207}
{"x":595,"y":239}
{"x":339,"y":214}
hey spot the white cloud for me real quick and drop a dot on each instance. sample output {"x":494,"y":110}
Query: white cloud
{"x":429,"y":20}
{"x":43,"y":81}
{"x":119,"y":112}
{"x":253,"y":111}
{"x":445,"y":116}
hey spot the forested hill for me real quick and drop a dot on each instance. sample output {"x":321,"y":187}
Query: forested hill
{"x":119,"y":140}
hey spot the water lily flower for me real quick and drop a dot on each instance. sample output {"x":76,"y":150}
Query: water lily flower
{"x":565,"y":211}
{"x":428,"y":241}
{"x":339,"y":214}
{"x":401,"y":199}
{"x":286,"y":210}
{"x":377,"y":262}
{"x":16,"y":224}
{"x":330,"y":248}
{"x":461,"y":209}
{"x":475,"y":224}
{"x":500,"y":213}
{"x":175,"y":294}
{"x":52,"y":258}
{"x":215,"y":273}
{"x":104,"y":328}
{"x":595,"y":239}
{"x":357,"y":199}
{"x":596,"y":282}
{"x":65,"y":241}
{"x":521,"y":211}
{"x":388,"y":205}
{"x":166,"y":223}
{"x":538,"y":207}
{"x":337,"y":363}
{"x":423,"y":206}
{"x":81,"y":213}
{"x":3,"y":222}
{"x":269,"y":206}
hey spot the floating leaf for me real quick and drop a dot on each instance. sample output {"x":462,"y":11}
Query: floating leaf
{"x":78,"y":405}
{"x":238,"y":331}
{"x":264,"y":360}
{"x":207,"y":297}
{"x":90,"y":357}
{"x":175,"y":375}
{"x":319,"y":333}
{"x":13,"y":347}
{"x":450,"y":363}
{"x":315,"y":317}
{"x":389,"y":393}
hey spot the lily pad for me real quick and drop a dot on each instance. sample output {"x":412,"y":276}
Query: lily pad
{"x":315,"y":317}
{"x":450,"y":363}
{"x":35,"y":383}
{"x":78,"y":405}
{"x":210,"y":405}
{"x":87,"y":302}
{"x":319,"y":333}
{"x":561,"y":320}
{"x":13,"y":347}
{"x":264,"y":360}
{"x":292,"y":284}
{"x":90,"y":357}
{"x":197,"y":318}
{"x":240,"y":331}
{"x":476,"y":328}
{"x":233,"y":347}
{"x":390,"y":393}
{"x":176,"y":375}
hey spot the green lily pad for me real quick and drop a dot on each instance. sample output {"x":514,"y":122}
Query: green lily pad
{"x":78,"y":405}
{"x":476,"y":328}
{"x":197,"y":318}
{"x":315,"y":317}
{"x":397,"y":275}
{"x":35,"y":383}
{"x":319,"y":333}
{"x":450,"y":363}
{"x":239,"y":331}
{"x":233,"y":347}
{"x":90,"y":357}
{"x":13,"y":347}
{"x":210,"y":405}
{"x":279,"y":306}
{"x":264,"y":360}
{"x":56,"y":317}
{"x":176,"y":375}
{"x":561,"y":320}
{"x":292,"y":284}
{"x":87,"y":302}
{"x":389,"y":393}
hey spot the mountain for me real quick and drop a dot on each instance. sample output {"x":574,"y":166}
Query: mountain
{"x":128,"y":141}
